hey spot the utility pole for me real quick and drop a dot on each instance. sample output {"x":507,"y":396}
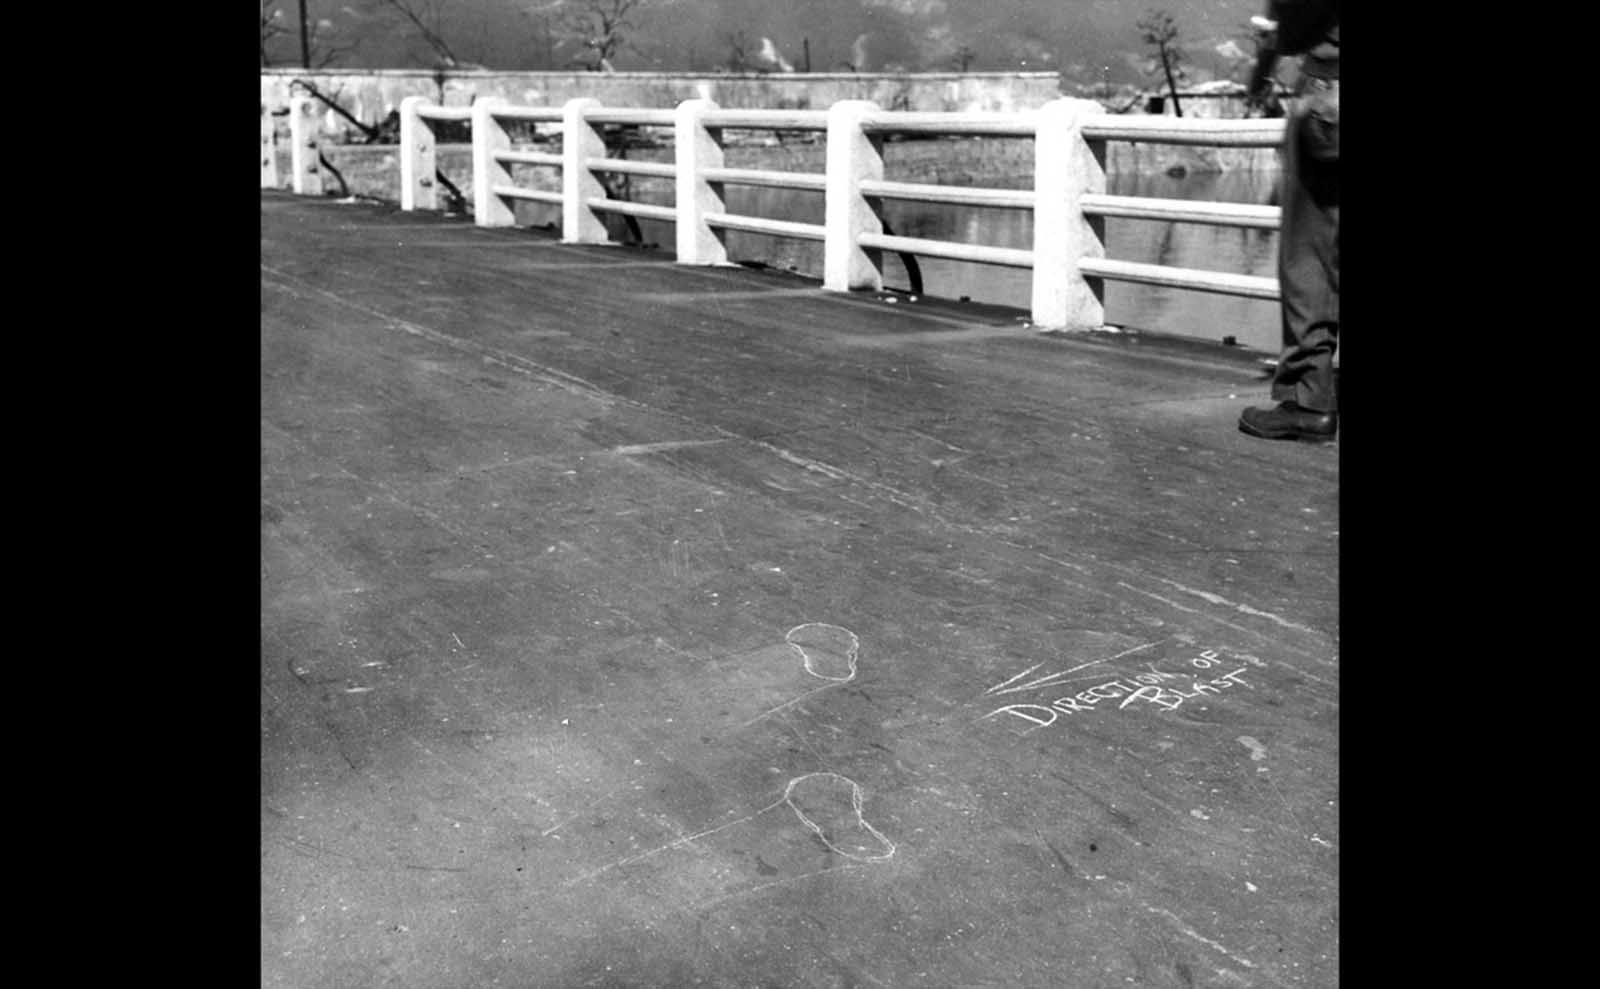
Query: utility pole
{"x":805,"y":46}
{"x":305,"y":38}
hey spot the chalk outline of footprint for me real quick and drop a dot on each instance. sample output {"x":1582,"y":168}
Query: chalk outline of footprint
{"x":857,"y":794}
{"x":850,"y":654}
{"x":857,"y":798}
{"x":806,"y":661}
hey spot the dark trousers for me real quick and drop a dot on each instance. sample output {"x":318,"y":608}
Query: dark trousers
{"x":1308,"y":249}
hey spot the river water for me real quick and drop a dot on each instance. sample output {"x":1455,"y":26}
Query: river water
{"x":1252,"y":323}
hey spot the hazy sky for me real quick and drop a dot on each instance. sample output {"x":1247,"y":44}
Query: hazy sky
{"x":1084,"y":39}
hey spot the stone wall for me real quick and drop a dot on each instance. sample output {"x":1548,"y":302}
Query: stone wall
{"x":370,"y":95}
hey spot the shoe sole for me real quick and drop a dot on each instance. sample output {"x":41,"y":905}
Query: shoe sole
{"x":1290,"y":435}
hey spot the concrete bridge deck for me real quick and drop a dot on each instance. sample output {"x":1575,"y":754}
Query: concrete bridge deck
{"x":624,"y":624}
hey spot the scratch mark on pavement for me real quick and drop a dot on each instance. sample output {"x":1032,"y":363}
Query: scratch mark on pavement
{"x":1190,"y":932}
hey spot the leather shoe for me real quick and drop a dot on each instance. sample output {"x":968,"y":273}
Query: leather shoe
{"x":1288,"y":421}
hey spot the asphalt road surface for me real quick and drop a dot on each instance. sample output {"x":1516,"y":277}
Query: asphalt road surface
{"x":628,"y":624}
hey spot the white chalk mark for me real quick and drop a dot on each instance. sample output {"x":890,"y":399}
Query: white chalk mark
{"x":1014,"y":679}
{"x":357,"y":690}
{"x":676,"y":844}
{"x":1242,"y":608}
{"x":1258,"y":751}
{"x":547,"y":832}
{"x":1148,"y":690}
{"x":807,"y":660}
{"x":1247,"y":963}
{"x":788,"y":703}
{"x":1240,"y":628}
{"x":856,"y":800}
{"x":1053,"y":679}
{"x":642,"y":448}
{"x":1061,"y":563}
{"x":458,"y":640}
{"x":850,"y":653}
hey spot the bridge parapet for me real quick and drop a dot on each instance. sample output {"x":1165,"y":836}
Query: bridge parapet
{"x":1068,"y":201}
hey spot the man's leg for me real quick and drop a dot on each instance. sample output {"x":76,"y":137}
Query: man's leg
{"x":1308,"y":273}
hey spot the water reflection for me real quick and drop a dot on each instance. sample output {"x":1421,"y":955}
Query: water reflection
{"x":1252,"y":322}
{"x":1190,"y":245}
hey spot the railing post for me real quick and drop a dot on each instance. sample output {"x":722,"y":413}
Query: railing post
{"x":853,"y":155}
{"x":697,"y":148}
{"x":418,"y":158}
{"x":304,"y":137}
{"x":580,"y":140}
{"x":1065,"y":168}
{"x":489,"y":136}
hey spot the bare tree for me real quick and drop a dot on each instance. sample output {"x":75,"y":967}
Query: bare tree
{"x":319,"y":38}
{"x":325,"y":55}
{"x":419,"y":13}
{"x":738,"y":59}
{"x":271,"y":27}
{"x":322,"y":42}
{"x":331,"y":100}
{"x":602,"y":28}
{"x":1158,"y":30}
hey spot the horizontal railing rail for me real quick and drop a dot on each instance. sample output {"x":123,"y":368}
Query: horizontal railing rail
{"x":431,"y":111}
{"x":802,"y":120}
{"x":1068,"y":199}
{"x":804,"y":181}
{"x":762,"y":225}
{"x":1185,"y":130}
{"x":1249,"y":286}
{"x":968,"y":124}
{"x":953,"y":250}
{"x":627,"y":166}
{"x":959,"y":195}
{"x":528,"y":158}
{"x":536,"y":114}
{"x":1183,"y":211}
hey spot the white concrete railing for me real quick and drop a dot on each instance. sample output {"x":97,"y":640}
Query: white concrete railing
{"x":1068,"y":200}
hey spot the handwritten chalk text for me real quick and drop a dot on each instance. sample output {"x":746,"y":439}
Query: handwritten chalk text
{"x":1155,"y":687}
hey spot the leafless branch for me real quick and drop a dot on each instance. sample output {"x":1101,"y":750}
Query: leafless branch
{"x":368,"y":131}
{"x":271,"y":27}
{"x":1158,"y":30}
{"x":435,"y":40}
